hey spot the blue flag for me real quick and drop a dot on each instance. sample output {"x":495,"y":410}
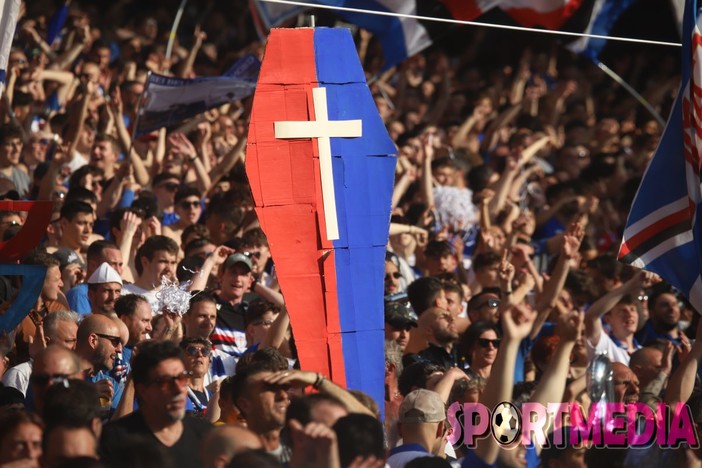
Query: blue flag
{"x":168,"y":101}
{"x":662,"y":233}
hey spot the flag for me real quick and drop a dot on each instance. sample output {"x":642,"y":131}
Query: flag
{"x":9,"y":9}
{"x":321,"y":168}
{"x":603,"y":15}
{"x":168,"y":100}
{"x":402,"y":37}
{"x":662,"y":232}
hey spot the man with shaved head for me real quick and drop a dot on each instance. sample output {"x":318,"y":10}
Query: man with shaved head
{"x":626,"y":384}
{"x":52,"y":365}
{"x":652,"y":366}
{"x":224,"y":442}
{"x":99,"y":341}
{"x":439,"y":328}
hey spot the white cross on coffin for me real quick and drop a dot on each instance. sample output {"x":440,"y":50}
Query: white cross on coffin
{"x":322,"y":129}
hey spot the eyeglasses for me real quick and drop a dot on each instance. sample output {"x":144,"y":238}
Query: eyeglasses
{"x":255,"y":255}
{"x":396,"y":275}
{"x":265,"y":323}
{"x":491,"y":303}
{"x":195,"y":351}
{"x":42,"y":380}
{"x":484,"y":343}
{"x":643,"y":297}
{"x":189,"y":204}
{"x":171,"y":186}
{"x":114,"y":340}
{"x":166,"y":381}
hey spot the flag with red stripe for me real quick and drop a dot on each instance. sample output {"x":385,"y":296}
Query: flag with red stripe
{"x":662,"y":233}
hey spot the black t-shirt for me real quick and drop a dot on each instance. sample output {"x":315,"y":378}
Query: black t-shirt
{"x":185,"y":453}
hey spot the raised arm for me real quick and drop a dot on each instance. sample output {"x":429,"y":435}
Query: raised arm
{"x":682,"y":382}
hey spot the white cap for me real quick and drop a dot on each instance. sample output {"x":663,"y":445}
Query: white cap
{"x":105,"y":274}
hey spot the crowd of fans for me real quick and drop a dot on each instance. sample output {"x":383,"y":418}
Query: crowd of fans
{"x":517,"y":165}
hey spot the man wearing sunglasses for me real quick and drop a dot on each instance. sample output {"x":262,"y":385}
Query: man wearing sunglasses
{"x":161,"y":386}
{"x":484,"y":306}
{"x":165,"y":186}
{"x":98,"y":343}
{"x":188,"y":208}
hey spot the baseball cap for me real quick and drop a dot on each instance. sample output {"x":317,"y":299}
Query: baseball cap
{"x":422,"y":406}
{"x":238,"y":258}
{"x":67,"y":256}
{"x":105,"y":274}
{"x":400,"y":314}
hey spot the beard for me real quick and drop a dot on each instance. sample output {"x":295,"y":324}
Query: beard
{"x":445,"y":337}
{"x":667,"y":326}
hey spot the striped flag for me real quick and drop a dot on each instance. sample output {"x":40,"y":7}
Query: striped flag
{"x":604,"y":14}
{"x":9,"y":9}
{"x":662,"y":233}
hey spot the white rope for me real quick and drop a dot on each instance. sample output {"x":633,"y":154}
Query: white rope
{"x":471,"y":23}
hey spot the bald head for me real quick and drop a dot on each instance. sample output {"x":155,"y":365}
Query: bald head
{"x":56,"y":360}
{"x":224,"y":442}
{"x":647,"y":363}
{"x":96,"y":324}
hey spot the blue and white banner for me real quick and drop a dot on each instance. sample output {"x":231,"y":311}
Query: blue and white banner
{"x":168,"y":101}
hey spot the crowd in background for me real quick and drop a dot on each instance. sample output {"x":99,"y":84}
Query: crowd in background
{"x":517,"y":165}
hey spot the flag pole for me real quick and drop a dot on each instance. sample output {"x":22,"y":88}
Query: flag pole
{"x":174,"y":28}
{"x":612,"y":74}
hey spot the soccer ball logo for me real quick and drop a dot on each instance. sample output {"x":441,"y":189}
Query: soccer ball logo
{"x":506,"y":423}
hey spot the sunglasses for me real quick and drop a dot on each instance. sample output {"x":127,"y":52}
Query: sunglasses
{"x":189,"y":204}
{"x":171,"y":187}
{"x":114,"y":340}
{"x":484,"y":343}
{"x":265,"y":323}
{"x":255,"y":255}
{"x":195,"y":351}
{"x":395,"y":275}
{"x":491,"y":303}
{"x":166,"y":381}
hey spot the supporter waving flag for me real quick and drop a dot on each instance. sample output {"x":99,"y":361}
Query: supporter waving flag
{"x":9,"y":10}
{"x":662,"y":233}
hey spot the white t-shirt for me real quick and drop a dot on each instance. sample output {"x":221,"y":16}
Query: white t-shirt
{"x":18,"y":376}
{"x":606,"y":346}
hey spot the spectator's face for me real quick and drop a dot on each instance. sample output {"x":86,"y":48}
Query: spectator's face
{"x":106,"y":345}
{"x":626,"y":384}
{"x":47,"y":370}
{"x":264,"y":405}
{"x":484,"y":350}
{"x":93,"y":182}
{"x":203,"y":251}
{"x":139,"y":323}
{"x":257,"y":331}
{"x":445,"y":175}
{"x":443,"y":264}
{"x":200,"y":320}
{"x":65,"y":335}
{"x":23,"y":444}
{"x":166,"y":390}
{"x":651,"y":367}
{"x":76,"y":232}
{"x":486,"y":310}
{"x":442,"y":326}
{"x":103,"y":155}
{"x":488,"y":275}
{"x":103,"y":296}
{"x":623,"y":319}
{"x":10,"y":151}
{"x":163,"y":264}
{"x":259,"y":256}
{"x":102,"y":57}
{"x":189,"y":209}
{"x":455,"y":304}
{"x":64,"y":443}
{"x":235,"y":281}
{"x":666,"y":312}
{"x":392,"y":278}
{"x":112,"y":257}
{"x":165,"y":191}
{"x":197,"y":359}
{"x":52,"y":284}
{"x":8,"y":220}
{"x":399,"y":335}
